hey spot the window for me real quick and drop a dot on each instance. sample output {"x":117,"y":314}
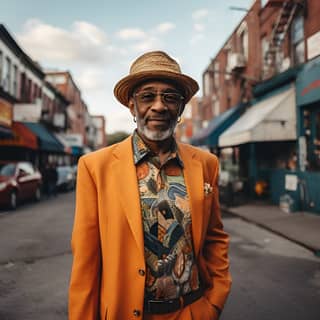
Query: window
{"x":228,"y":67}
{"x":207,"y":84}
{"x":15,"y":81}
{"x":243,"y":45}
{"x":297,"y":36}
{"x":311,"y":125}
{"x":216,"y":110}
{"x":26,"y":168}
{"x":216,"y":74}
{"x":7,"y":75}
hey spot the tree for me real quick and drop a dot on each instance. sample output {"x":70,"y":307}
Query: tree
{"x":116,"y":137}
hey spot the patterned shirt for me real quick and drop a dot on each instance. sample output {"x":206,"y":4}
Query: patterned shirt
{"x":170,"y":263}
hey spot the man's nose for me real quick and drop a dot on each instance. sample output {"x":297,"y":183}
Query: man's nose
{"x":158,"y":104}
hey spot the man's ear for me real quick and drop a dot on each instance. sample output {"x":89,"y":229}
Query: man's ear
{"x":131,"y":106}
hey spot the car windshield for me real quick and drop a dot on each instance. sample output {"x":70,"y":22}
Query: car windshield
{"x":7,"y":170}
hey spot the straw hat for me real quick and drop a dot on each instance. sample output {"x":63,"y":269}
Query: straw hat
{"x":155,"y":65}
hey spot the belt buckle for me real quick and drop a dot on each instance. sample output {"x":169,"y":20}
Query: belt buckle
{"x":152,"y":305}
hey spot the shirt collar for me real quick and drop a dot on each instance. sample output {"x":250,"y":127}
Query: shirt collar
{"x":141,"y":150}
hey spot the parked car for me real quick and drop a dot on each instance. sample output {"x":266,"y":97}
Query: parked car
{"x":19,"y":181}
{"x":66,"y":178}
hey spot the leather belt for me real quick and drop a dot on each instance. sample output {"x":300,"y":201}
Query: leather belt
{"x":167,"y":306}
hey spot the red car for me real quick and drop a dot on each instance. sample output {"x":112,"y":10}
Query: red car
{"x":19,"y":181}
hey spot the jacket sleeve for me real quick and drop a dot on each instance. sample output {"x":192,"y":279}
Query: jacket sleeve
{"x":215,"y":250}
{"x":84,"y":290}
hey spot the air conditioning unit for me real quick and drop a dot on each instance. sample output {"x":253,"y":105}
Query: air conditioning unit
{"x":237,"y":61}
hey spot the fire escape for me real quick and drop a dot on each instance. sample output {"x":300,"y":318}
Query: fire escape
{"x":286,"y":14}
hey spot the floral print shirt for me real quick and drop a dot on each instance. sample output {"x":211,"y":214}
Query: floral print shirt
{"x":170,"y":263}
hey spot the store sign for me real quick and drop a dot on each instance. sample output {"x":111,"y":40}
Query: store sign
{"x":27,"y":112}
{"x":291,"y":182}
{"x":312,"y":86}
{"x":5,"y":114}
{"x":313,"y":45}
{"x":74,"y":139}
{"x":308,"y":83}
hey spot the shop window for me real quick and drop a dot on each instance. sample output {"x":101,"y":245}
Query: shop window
{"x":297,"y":36}
{"x":311,"y":123}
{"x":317,"y":141}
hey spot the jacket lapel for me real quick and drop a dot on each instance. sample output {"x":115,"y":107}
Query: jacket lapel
{"x":193,"y":175}
{"x":129,"y":194}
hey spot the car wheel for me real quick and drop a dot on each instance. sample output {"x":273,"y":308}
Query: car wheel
{"x":37,"y":194}
{"x":13,"y":200}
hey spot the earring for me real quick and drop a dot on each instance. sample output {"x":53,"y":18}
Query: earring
{"x":134,"y":119}
{"x":179,"y":119}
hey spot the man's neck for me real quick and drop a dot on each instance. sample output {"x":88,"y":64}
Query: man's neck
{"x":160,"y":148}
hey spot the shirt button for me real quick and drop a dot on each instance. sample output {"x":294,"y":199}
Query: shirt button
{"x":136,"y":313}
{"x":141,"y":272}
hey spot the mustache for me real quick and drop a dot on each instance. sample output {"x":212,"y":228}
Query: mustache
{"x":150,"y":118}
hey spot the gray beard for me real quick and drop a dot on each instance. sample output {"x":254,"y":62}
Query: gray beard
{"x":154,"y":135}
{"x":151,"y":134}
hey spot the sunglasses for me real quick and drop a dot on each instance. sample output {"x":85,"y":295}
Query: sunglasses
{"x":170,"y":99}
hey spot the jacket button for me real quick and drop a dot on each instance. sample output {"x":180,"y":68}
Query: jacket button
{"x":142,"y":272}
{"x":136,"y":313}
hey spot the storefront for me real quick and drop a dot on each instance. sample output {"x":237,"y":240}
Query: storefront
{"x":21,"y":145}
{"x":208,"y":137}
{"x":50,"y":148}
{"x":262,"y":140}
{"x":308,"y":110}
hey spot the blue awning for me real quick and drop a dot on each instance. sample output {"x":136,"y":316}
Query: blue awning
{"x":209,"y":136}
{"x":47,"y":141}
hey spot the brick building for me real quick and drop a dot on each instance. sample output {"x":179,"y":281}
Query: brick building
{"x":260,"y":101}
{"x":29,"y":107}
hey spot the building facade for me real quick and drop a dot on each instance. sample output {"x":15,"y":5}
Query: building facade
{"x":270,"y":148}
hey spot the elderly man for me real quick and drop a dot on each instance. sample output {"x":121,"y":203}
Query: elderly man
{"x":148,"y":240}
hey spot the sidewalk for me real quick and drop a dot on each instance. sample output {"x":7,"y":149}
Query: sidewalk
{"x":300,"y":227}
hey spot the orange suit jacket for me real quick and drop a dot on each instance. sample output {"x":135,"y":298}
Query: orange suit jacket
{"x":107,"y":239}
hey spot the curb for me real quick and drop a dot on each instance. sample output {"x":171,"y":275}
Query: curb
{"x":315,"y":251}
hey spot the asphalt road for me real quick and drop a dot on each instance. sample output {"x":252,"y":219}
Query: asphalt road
{"x":272,"y":277}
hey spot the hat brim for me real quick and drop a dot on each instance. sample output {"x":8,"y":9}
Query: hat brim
{"x":124,"y":87}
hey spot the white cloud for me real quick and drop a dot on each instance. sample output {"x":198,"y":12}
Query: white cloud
{"x":91,"y":79}
{"x":131,"y":34}
{"x":151,"y":43}
{"x":83,"y":43}
{"x":90,"y":33}
{"x":200,"y":14}
{"x":198,"y":27}
{"x":164,"y":27}
{"x":95,"y":60}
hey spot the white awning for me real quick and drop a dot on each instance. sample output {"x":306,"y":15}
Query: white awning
{"x":273,"y":119}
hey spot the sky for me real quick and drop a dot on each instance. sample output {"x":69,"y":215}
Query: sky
{"x":96,"y":41}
